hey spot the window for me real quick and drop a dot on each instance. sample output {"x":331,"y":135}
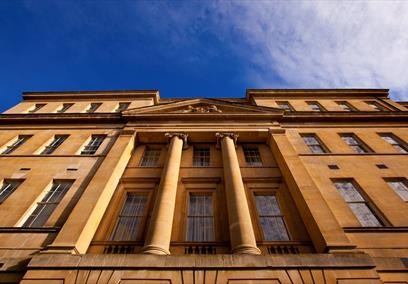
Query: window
{"x":377,"y":106}
{"x":395,"y":142}
{"x":252,"y":156}
{"x":200,"y":219}
{"x":315,"y":106}
{"x":93,"y":145}
{"x":8,"y":188}
{"x":355,"y":143}
{"x":93,"y":107}
{"x":357,"y":203}
{"x":400,"y":187}
{"x":64,"y":108}
{"x":36,"y":108}
{"x":48,"y":203}
{"x":201,"y":156}
{"x":122,"y":107}
{"x":58,"y":140}
{"x":285,"y":106}
{"x":150,"y":157}
{"x":129,"y":223}
{"x":17,"y":143}
{"x":346,"y":106}
{"x":314,"y":143}
{"x":271,"y":218}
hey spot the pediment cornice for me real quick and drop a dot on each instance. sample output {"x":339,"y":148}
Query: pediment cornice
{"x":198,"y":108}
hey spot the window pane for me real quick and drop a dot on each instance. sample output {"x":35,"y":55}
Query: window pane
{"x":93,"y":145}
{"x":128,"y":225}
{"x":201,"y":157}
{"x":19,"y":141}
{"x":348,"y":191}
{"x":58,"y":140}
{"x":200,"y":223}
{"x":400,"y":188}
{"x":150,"y":157}
{"x":364,"y":215}
{"x":270,"y":219}
{"x":8,"y":188}
{"x":252,"y":156}
{"x":273,"y":229}
{"x":47,"y":205}
{"x":399,"y":146}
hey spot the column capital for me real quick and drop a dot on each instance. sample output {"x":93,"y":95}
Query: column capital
{"x":221,"y":135}
{"x":181,"y":135}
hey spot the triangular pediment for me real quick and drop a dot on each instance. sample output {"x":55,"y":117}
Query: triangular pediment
{"x":202,"y":106}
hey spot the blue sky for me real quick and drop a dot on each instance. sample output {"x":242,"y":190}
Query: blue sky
{"x":201,"y":48}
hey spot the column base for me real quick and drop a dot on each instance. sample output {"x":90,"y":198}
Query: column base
{"x":246,"y":249}
{"x":150,"y":249}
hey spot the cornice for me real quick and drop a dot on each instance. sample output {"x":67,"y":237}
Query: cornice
{"x":313,"y":93}
{"x":341,"y":116}
{"x":92,"y":95}
{"x":298,"y":116}
{"x":60,"y":118}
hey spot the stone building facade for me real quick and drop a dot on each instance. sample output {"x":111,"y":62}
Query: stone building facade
{"x":282,"y":186}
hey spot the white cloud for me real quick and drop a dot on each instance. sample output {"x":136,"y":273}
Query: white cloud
{"x":305,"y":44}
{"x":323,"y":44}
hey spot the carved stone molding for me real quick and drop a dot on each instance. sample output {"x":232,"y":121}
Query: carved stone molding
{"x":221,"y":135}
{"x":182,"y":136}
{"x":202,"y":109}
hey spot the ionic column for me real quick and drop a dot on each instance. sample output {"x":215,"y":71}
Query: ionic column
{"x":240,"y":225}
{"x":159,"y":232}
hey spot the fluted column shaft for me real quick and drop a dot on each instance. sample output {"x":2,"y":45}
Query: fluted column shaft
{"x":240,"y":224}
{"x":159,"y":232}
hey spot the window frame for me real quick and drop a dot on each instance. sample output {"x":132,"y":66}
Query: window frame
{"x":84,"y":149}
{"x":140,"y":234}
{"x":42,"y":202}
{"x":274,"y":192}
{"x":319,"y":105}
{"x":366,"y":201}
{"x":360,"y":143}
{"x":144,"y":157}
{"x":324,"y":148}
{"x":120,"y":107}
{"x":92,"y":109}
{"x":402,"y":180}
{"x":46,"y":150}
{"x":286,"y":103}
{"x":201,"y":161}
{"x":201,"y":191}
{"x":36,"y":107}
{"x":7,"y":181}
{"x":399,"y":142}
{"x":14,"y":144}
{"x":249,"y":163}
{"x":377,"y":106}
{"x":349,"y":106}
{"x":65,"y":107}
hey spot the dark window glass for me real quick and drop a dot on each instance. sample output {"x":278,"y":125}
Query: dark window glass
{"x":36,"y":108}
{"x":122,"y":107}
{"x":128,"y":226}
{"x":8,"y":188}
{"x":200,"y":219}
{"x":252,"y":156}
{"x":48,"y":203}
{"x":150,"y":157}
{"x":17,"y":143}
{"x":395,"y":142}
{"x":93,"y":145}
{"x":58,"y":140}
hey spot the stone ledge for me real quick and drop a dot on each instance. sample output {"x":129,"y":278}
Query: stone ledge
{"x":226,"y":261}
